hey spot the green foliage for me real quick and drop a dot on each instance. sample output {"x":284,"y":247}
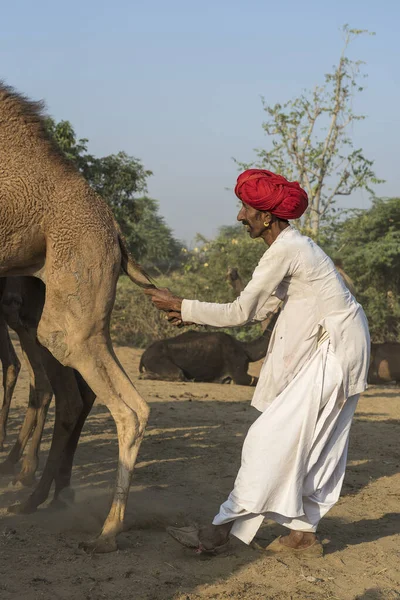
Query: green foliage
{"x":206,"y":270}
{"x":369,"y":245}
{"x":210,"y":260}
{"x":75,"y":150}
{"x":203,"y":277}
{"x":122,"y":181}
{"x":135,"y":321}
{"x":310,"y":142}
{"x":152,"y":239}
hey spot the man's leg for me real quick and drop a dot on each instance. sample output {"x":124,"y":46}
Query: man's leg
{"x":324,"y":480}
{"x":316,"y":422}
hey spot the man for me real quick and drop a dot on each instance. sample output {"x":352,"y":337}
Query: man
{"x":294,"y":455}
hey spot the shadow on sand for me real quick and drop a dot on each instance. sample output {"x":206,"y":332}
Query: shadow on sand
{"x":186,"y":468}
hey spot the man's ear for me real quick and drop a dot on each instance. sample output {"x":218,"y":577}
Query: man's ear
{"x":267,"y":217}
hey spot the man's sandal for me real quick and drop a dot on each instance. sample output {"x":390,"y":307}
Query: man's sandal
{"x":276,"y":547}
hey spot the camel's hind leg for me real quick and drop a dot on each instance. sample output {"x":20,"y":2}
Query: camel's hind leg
{"x":11,"y":367}
{"x":62,"y":481}
{"x":75,"y":328}
{"x":40,"y":394}
{"x":69,"y":406}
{"x":104,"y":374}
{"x":22,"y":302}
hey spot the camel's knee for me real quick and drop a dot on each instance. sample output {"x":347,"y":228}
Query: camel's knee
{"x":144,"y":415}
{"x":131,"y":418}
{"x":140,"y":415}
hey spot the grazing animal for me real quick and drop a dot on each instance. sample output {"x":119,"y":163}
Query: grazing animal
{"x":204,"y":356}
{"x":54,"y":226}
{"x":384,"y":365}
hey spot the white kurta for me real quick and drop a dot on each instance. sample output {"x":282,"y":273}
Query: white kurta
{"x":294,"y":455}
{"x":294,"y":269}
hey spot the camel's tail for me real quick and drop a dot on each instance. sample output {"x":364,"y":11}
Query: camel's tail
{"x":131,"y":268}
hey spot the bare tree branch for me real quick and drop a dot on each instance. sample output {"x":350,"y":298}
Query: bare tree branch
{"x":309,"y":141}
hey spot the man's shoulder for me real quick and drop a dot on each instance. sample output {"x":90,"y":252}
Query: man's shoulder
{"x":290,"y":239}
{"x":286,"y":245}
{"x":294,"y":238}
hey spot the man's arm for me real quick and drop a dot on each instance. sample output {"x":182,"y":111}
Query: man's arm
{"x":251,"y":305}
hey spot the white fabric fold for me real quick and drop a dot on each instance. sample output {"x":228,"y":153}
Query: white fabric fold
{"x":294,"y":455}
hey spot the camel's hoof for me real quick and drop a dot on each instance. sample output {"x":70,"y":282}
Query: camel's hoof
{"x":100,"y":545}
{"x":7,"y":468}
{"x":24,"y":480}
{"x":25,"y":508}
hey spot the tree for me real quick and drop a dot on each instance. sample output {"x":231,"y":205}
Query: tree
{"x":311,"y":144}
{"x":122,"y":181}
{"x":157,"y":248}
{"x":369,"y":245}
{"x":74,"y":150}
{"x":208,"y":263}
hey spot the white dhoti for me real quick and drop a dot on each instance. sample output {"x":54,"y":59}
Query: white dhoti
{"x":294,"y":455}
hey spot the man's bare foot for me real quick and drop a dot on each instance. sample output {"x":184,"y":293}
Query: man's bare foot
{"x":298,"y":540}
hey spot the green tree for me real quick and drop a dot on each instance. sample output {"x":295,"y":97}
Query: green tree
{"x":158,"y":248}
{"x":310,"y":140}
{"x":369,"y":245}
{"x":75,"y":150}
{"x":207,"y":264}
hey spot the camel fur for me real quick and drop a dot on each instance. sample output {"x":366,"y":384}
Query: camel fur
{"x":56,"y":228}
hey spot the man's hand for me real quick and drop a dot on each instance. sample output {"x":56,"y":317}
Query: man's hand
{"x":165,"y":300}
{"x":175,"y":318}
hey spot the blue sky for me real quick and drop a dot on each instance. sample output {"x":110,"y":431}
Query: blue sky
{"x":178,"y":84}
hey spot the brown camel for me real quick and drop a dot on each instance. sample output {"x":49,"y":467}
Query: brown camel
{"x":55,"y":227}
{"x":205,"y":356}
{"x":11,"y":367}
{"x":384,"y":365}
{"x":21,"y":307}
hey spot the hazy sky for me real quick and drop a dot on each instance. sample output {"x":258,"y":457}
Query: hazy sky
{"x":178,"y":83}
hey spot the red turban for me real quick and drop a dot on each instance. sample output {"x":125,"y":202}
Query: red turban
{"x":264,"y":190}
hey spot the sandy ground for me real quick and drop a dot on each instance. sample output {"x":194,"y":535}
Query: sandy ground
{"x":186,"y":468}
